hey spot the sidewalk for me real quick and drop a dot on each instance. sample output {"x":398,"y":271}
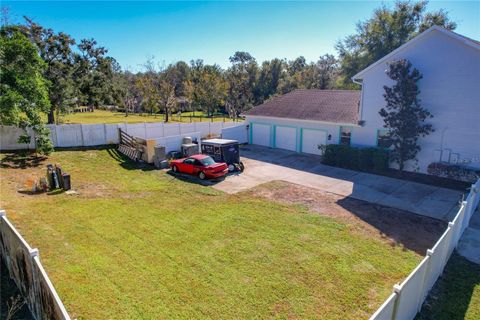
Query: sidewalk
{"x":469,"y":244}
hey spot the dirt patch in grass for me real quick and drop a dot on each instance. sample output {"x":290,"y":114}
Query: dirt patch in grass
{"x":398,"y":227}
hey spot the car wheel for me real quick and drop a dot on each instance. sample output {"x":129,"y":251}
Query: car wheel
{"x":175,"y":169}
{"x":242,"y":166}
{"x":202,"y":175}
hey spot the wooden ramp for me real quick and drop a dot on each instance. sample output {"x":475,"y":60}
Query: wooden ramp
{"x":129,"y":147}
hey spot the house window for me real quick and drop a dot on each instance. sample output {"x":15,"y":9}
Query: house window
{"x":383,"y":139}
{"x":345,"y":135}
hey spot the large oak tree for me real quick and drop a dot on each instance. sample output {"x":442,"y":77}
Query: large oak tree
{"x":24,"y":90}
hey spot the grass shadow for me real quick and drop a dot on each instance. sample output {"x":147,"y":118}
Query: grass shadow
{"x":451,"y":297}
{"x":9,"y":290}
{"x":127,"y":163}
{"x":414,"y":232}
{"x":21,"y":160}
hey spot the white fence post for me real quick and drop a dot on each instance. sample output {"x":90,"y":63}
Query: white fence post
{"x":81,"y":132}
{"x":34,"y":252}
{"x":397,"y":289}
{"x":104,"y":133}
{"x":56,"y":135}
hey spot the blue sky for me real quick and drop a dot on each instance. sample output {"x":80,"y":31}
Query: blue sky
{"x":213,"y":31}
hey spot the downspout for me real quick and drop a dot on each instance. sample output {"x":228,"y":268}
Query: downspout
{"x":360,"y":112}
{"x":356,"y":81}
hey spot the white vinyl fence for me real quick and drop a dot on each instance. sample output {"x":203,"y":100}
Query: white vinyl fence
{"x":407,"y":298}
{"x":80,"y":135}
{"x":174,"y":143}
{"x":24,"y":267}
{"x":239,"y":133}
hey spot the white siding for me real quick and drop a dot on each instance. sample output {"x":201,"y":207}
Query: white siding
{"x":450,"y":90}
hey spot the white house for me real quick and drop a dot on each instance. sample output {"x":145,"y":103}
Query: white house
{"x":450,"y":90}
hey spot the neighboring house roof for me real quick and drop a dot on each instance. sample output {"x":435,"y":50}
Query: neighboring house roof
{"x":334,"y":106}
{"x":470,"y":42}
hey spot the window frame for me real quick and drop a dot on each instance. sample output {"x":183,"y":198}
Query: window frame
{"x":189,"y":161}
{"x":340,"y":136}
{"x":380,"y":132}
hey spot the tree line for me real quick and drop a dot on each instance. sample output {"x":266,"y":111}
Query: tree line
{"x":58,"y":73}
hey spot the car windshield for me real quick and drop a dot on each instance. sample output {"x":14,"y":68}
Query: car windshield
{"x":207,"y":161}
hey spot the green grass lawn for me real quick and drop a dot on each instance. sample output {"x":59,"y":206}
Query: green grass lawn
{"x":456,"y":295}
{"x":103,"y":116}
{"x":137,"y":243}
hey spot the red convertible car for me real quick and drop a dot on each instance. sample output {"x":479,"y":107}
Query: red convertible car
{"x":200,"y":165}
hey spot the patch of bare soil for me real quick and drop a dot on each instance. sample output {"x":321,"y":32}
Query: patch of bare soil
{"x":18,"y":173}
{"x":398,"y":227}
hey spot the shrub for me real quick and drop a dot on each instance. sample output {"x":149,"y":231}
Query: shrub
{"x":453,"y":171}
{"x":364,"y":159}
{"x":380,"y":160}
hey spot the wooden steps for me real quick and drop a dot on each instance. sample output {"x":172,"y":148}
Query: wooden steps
{"x":130,"y":152}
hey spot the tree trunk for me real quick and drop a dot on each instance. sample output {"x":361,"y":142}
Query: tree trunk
{"x":166,"y":114}
{"x":51,"y":116}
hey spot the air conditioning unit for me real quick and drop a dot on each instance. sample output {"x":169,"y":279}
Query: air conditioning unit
{"x":189,"y":149}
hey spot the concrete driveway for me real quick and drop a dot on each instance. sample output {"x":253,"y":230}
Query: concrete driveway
{"x":265,"y":164}
{"x":469,"y":245}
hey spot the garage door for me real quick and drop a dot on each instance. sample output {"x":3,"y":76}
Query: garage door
{"x":286,"y":138}
{"x":311,"y":139}
{"x":261,"y":134}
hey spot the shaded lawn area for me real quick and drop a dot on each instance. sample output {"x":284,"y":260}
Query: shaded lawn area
{"x":456,"y":295}
{"x":138,"y":243}
{"x":104,"y":116}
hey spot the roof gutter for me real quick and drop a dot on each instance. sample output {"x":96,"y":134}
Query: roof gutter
{"x":308,"y":121}
{"x":356,"y":81}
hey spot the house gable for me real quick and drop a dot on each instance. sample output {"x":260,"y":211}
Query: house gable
{"x":450,"y":65}
{"x":415,"y":41}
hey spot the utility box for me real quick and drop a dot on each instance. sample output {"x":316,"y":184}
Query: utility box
{"x":189,"y":149}
{"x":223,"y":150}
{"x":66,"y":182}
{"x":159,"y":156}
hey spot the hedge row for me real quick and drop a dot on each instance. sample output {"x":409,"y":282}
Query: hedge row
{"x":364,"y":159}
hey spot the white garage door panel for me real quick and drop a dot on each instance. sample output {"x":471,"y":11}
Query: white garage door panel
{"x":261,"y":134}
{"x":286,"y":138}
{"x":311,"y":139}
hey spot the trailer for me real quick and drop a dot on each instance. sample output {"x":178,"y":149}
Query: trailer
{"x":224,"y":150}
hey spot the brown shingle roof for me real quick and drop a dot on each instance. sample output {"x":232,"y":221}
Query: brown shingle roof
{"x":337,"y":106}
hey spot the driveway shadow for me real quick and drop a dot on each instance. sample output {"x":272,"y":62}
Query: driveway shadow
{"x":308,"y":170}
